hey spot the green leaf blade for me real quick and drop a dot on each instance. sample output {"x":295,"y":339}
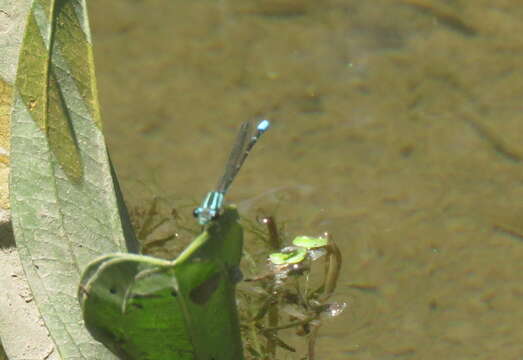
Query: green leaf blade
{"x":64,"y":208}
{"x":212,"y":313}
{"x":146,"y":308}
{"x":135,"y":319}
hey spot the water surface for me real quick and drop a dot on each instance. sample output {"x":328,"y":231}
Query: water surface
{"x":397,"y":127}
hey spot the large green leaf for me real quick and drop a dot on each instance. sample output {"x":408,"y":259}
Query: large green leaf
{"x":3,"y":355}
{"x":5,"y":110}
{"x":147,"y":308}
{"x":65,"y":205}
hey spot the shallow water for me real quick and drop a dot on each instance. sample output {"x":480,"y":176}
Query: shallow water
{"x":397,"y":128}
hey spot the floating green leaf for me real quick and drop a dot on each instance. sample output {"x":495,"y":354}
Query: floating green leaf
{"x":308,"y":242}
{"x":292,"y":256}
{"x":147,"y":308}
{"x":64,"y":199}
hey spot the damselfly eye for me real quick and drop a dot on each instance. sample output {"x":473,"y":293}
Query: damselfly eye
{"x":196,"y":212}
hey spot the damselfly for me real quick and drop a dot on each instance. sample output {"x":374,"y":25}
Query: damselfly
{"x":248,"y":135}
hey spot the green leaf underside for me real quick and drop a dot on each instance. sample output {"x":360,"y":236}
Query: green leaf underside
{"x":64,"y":209}
{"x":5,"y":113}
{"x":146,"y":308}
{"x":50,"y":74}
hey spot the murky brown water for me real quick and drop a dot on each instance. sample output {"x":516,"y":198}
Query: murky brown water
{"x":397,"y":127}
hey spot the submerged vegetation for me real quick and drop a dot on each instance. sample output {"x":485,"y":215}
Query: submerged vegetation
{"x":283,"y":296}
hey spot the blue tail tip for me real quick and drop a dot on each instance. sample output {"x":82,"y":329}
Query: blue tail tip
{"x":263,"y":125}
